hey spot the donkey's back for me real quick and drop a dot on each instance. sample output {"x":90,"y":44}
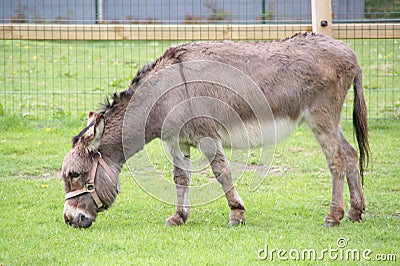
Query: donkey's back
{"x":293,"y":72}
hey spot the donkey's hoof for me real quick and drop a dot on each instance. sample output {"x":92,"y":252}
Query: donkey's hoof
{"x":354,"y":215}
{"x":329,"y":222}
{"x":174,"y":221}
{"x":236,"y":217}
{"x":236,"y":222}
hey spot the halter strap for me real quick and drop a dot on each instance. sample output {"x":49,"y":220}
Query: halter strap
{"x":107,"y":169}
{"x":89,"y":186}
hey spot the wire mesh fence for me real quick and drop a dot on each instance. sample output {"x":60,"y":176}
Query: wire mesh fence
{"x":60,"y":59}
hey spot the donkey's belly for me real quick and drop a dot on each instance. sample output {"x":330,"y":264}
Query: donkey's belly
{"x":254,"y":134}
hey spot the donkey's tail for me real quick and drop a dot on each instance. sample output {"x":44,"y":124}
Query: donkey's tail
{"x":360,"y":124}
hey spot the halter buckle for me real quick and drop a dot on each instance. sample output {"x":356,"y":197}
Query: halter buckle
{"x":90,"y":187}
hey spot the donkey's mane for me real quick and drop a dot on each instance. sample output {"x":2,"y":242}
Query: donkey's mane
{"x":117,"y":98}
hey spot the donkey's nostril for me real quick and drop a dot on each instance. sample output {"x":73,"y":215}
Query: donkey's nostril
{"x":84,"y":221}
{"x":81,"y":218}
{"x":67,"y":220}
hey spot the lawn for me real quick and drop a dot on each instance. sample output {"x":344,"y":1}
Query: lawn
{"x":285,"y":213}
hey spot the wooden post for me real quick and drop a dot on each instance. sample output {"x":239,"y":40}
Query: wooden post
{"x":321,"y":16}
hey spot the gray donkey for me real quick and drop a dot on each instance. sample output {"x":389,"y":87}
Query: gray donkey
{"x":223,"y":94}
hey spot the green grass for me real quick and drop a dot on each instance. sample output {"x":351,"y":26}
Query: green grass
{"x":50,"y":80}
{"x":286,"y":212}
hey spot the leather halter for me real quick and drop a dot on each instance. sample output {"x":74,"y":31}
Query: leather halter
{"x":89,"y":186}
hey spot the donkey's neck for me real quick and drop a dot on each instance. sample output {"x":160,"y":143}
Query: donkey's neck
{"x":124,"y":134}
{"x":129,"y":125}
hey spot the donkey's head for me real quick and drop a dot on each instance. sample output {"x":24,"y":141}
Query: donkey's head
{"x":90,"y":183}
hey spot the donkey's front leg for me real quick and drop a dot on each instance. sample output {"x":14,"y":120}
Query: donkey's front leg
{"x":235,"y":203}
{"x":221,"y":170}
{"x":181,"y":160}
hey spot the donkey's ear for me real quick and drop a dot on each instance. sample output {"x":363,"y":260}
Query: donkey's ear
{"x":92,"y":136}
{"x":91,"y":117}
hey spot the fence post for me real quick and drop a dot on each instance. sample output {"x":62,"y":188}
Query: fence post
{"x":321,"y":11}
{"x":99,"y":11}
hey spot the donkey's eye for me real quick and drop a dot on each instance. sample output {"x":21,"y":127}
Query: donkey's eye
{"x":74,"y":175}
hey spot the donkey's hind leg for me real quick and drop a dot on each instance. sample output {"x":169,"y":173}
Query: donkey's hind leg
{"x":181,"y":162}
{"x":220,"y":168}
{"x":357,"y":199}
{"x":327,"y":134}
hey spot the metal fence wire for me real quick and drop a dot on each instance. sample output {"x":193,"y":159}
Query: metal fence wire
{"x":60,"y":59}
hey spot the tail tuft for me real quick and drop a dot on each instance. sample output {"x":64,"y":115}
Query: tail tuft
{"x":360,"y":123}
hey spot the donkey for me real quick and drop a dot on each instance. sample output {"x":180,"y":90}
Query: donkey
{"x":301,"y":79}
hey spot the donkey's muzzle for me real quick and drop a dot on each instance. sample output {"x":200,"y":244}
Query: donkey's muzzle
{"x":81,"y":221}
